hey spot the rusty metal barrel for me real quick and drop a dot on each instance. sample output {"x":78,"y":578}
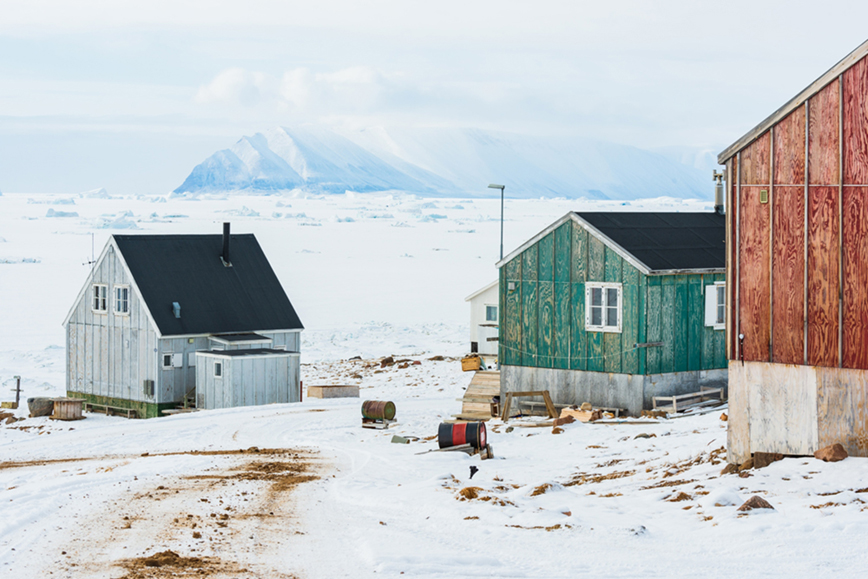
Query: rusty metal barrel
{"x":378,"y":410}
{"x":472,"y":433}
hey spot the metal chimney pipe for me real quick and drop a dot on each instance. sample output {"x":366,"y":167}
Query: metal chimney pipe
{"x":718,"y":192}
{"x":225,"y":254}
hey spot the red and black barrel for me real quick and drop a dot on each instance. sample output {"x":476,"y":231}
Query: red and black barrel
{"x":472,"y":433}
{"x":378,"y":410}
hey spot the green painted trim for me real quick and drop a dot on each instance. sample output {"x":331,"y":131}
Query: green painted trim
{"x":143,"y":409}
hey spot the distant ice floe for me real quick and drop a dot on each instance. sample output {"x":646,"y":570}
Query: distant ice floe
{"x":401,"y":224}
{"x":378,"y":216}
{"x":308,"y":251}
{"x":344,"y":219}
{"x":100,"y":193}
{"x":53,"y":213}
{"x":456,"y":207}
{"x":14,"y":260}
{"x":245,"y":211}
{"x":282,"y":204}
{"x":51,"y":201}
{"x":462,"y":231}
{"x":120,"y":221}
{"x":432,"y":218}
{"x":295,"y":216}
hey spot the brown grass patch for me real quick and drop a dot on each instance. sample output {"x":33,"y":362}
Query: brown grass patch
{"x":549,"y":529}
{"x":667,"y":483}
{"x":582,"y":478}
{"x":827,"y":505}
{"x":469,"y":493}
{"x":541,"y":490}
{"x":170,"y":564}
{"x":682,"y":496}
{"x":610,"y":495}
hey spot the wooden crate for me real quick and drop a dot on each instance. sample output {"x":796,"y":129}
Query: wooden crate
{"x":470,"y":363}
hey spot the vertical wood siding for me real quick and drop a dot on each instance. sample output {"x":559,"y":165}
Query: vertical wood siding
{"x":545,"y":328}
{"x":754,"y":275}
{"x":788,"y":251}
{"x":823,"y":227}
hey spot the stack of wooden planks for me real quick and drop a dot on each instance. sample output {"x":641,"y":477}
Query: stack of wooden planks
{"x":476,"y":404}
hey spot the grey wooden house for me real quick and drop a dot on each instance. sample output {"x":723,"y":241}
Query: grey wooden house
{"x":616,"y":308}
{"x":148,"y":325}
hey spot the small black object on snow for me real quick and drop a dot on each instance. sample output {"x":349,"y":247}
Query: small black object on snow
{"x":473,"y":470}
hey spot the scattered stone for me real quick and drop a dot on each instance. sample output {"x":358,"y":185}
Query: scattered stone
{"x":654,"y":414}
{"x":644,"y":435}
{"x":436,"y":358}
{"x":403,"y":366}
{"x":832,"y":453}
{"x":755,"y":502}
{"x":355,"y":358}
{"x":510,"y":429}
{"x":729,"y":469}
{"x":746,"y":465}
{"x":586,"y":406}
{"x":763,"y":459}
{"x":724,"y":417}
{"x":387,"y":361}
{"x":557,"y":430}
{"x":596,"y":415}
{"x":356,"y":376}
{"x":417,"y":363}
{"x":40,"y":406}
{"x":197,"y":535}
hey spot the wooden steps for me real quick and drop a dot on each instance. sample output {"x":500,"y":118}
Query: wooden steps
{"x":476,"y":403}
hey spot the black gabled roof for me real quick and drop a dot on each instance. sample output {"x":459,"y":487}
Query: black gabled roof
{"x":214,"y":299}
{"x":666,"y":241}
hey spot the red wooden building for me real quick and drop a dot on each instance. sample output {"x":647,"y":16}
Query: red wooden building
{"x":797,"y":249}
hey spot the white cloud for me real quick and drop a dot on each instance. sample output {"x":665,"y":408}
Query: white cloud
{"x":236,"y":86}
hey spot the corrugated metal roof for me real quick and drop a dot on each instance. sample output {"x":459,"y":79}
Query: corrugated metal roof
{"x":214,"y":299}
{"x":666,"y":241}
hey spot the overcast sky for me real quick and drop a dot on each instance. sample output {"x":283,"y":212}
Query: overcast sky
{"x":102,"y":93}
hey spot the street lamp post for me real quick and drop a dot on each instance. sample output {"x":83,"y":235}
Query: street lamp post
{"x":501,"y":187}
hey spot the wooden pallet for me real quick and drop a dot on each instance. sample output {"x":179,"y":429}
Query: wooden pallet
{"x":683,"y":402}
{"x":110,"y":410}
{"x":476,"y":403}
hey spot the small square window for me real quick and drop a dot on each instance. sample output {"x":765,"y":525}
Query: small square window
{"x":100,"y":297}
{"x":490,"y":313}
{"x":167,"y":361}
{"x":603,"y":307}
{"x":715,"y":306}
{"x":122,"y":299}
{"x":218,"y":369}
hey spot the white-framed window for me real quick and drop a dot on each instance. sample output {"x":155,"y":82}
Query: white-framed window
{"x":122,"y":299}
{"x":100,"y":297}
{"x":490,"y":313}
{"x":715,"y":305}
{"x":218,"y":369}
{"x":603,"y":307}
{"x":173,"y":361}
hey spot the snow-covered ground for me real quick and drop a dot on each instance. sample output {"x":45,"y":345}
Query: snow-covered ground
{"x":321,"y":497}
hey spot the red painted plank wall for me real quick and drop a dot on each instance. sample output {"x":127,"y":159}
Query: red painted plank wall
{"x":855,"y":216}
{"x":788,"y":254}
{"x":823,"y":227}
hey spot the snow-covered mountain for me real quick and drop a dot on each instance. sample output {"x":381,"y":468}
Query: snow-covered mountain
{"x":442,"y":162}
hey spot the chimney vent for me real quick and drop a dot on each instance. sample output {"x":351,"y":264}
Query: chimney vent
{"x":176,"y":309}
{"x":225,"y":255}
{"x":718,"y":192}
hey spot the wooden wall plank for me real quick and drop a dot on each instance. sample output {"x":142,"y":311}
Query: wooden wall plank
{"x":855,"y":120}
{"x":823,"y":286}
{"x":754,"y":275}
{"x":596,"y":259}
{"x":641,"y":322}
{"x":695,"y":322}
{"x":789,"y":161}
{"x":596,"y":353}
{"x":561,"y":333}
{"x":654,"y":324}
{"x":578,"y":266}
{"x":679,"y":322}
{"x":612,"y":340}
{"x":667,"y":324}
{"x":513,"y":324}
{"x":579,"y":337}
{"x":719,"y":337}
{"x":755,"y":162}
{"x":855,"y":230}
{"x":788,"y":273}
{"x":529,"y":318}
{"x":631,"y":320}
{"x":547,"y":258}
{"x":823,"y":137}
{"x":545,"y":323}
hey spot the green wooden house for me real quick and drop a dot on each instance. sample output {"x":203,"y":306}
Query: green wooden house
{"x":616,"y":308}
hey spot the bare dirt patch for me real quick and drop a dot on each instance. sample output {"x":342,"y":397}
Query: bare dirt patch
{"x":170,"y":564}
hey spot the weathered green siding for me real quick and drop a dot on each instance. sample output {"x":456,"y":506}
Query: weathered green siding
{"x":143,"y":409}
{"x":543,"y":318}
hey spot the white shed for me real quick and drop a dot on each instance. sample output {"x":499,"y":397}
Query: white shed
{"x":484,"y":319}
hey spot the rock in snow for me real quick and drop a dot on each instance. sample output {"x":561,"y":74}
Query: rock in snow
{"x":755,"y":502}
{"x":832,"y":453}
{"x":442,"y":162}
